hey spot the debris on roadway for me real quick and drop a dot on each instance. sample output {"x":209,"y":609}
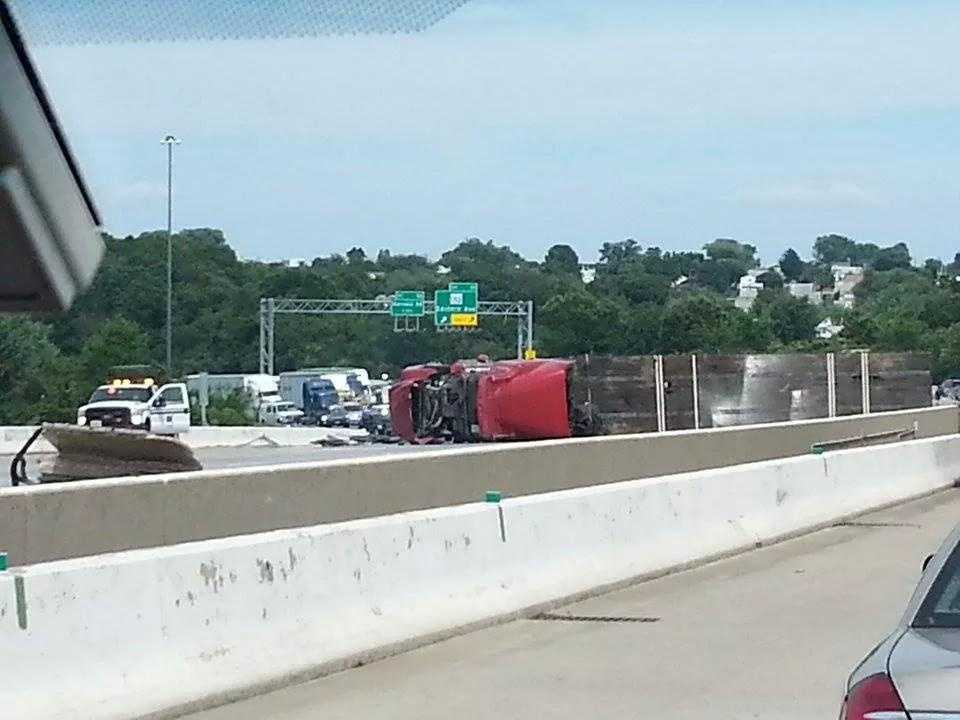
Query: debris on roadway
{"x":85,"y":453}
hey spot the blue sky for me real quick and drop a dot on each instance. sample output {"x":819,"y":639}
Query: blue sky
{"x":534,"y":122}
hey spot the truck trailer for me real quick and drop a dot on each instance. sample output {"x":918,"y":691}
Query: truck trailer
{"x":483,"y":401}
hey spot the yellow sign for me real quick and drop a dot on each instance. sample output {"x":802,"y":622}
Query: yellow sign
{"x":463,"y":319}
{"x":529,"y":354}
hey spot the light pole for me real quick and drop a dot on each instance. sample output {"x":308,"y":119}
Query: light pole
{"x":170,"y":141}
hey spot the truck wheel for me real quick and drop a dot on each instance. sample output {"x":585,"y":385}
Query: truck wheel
{"x":146,"y":425}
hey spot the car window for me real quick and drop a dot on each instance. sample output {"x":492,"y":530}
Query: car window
{"x":172,"y":395}
{"x":941,"y":607}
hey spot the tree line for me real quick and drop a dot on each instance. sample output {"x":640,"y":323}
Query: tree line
{"x":641,"y":300}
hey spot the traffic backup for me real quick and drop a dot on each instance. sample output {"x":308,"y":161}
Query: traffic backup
{"x":136,"y":402}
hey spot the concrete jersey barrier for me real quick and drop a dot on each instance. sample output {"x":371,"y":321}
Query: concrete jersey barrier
{"x":12,"y":438}
{"x":161,"y":631}
{"x":96,"y":516}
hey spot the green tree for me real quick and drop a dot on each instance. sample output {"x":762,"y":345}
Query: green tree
{"x":233,"y":409}
{"x":933,"y":267}
{"x":829,"y":249}
{"x":356,"y":256}
{"x":613,"y":256}
{"x":36,"y":380}
{"x":771,"y":279}
{"x":116,"y":342}
{"x":579,"y":322}
{"x":890,"y":258}
{"x":859,"y":329}
{"x":703,"y":322}
{"x":790,"y":319}
{"x":642,"y":328}
{"x":726,"y":262}
{"x":729,"y":249}
{"x":634,"y":284}
{"x":898,"y":333}
{"x":822,"y":276}
{"x":791,"y":265}
{"x":561,"y":259}
{"x":670,"y":265}
{"x":719,"y":275}
{"x":947,"y":353}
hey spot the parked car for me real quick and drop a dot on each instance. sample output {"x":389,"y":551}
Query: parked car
{"x":915,"y":672}
{"x":354,"y":413}
{"x":336,"y":416}
{"x":376,"y":419}
{"x":279,"y":412}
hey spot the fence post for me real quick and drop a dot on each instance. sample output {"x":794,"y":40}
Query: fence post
{"x":661,"y":399}
{"x":831,"y":385}
{"x":865,"y":381}
{"x":696,"y":392}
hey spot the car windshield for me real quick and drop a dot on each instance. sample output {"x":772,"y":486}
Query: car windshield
{"x":559,"y":224}
{"x":111,"y":392}
{"x":941,"y":607}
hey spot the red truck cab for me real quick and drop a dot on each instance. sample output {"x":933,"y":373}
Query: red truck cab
{"x":478,"y":400}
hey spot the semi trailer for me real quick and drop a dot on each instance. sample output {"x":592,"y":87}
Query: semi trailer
{"x":483,"y":401}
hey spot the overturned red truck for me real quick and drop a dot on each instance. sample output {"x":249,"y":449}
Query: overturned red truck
{"x":483,"y":401}
{"x":475,"y":401}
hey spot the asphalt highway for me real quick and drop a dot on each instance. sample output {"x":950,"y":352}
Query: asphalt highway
{"x":771,"y":634}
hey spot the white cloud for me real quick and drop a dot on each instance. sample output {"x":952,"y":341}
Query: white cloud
{"x":140,"y":190}
{"x":809,"y":194}
{"x":450,"y":84}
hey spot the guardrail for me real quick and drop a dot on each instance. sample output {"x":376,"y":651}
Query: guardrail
{"x":843,"y":443}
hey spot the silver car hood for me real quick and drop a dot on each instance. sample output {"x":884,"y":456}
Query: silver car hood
{"x":925,"y":667}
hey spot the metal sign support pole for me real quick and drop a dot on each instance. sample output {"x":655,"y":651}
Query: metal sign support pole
{"x":530,"y":325}
{"x":263,"y":336}
{"x":271,"y":322}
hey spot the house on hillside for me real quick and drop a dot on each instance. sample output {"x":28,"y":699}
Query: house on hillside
{"x":747,"y":290}
{"x":827,"y":329}
{"x":806,"y":291}
{"x":845,"y":279}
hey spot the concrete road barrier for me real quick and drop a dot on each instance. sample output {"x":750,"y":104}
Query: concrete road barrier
{"x":160,"y":631}
{"x":12,"y":438}
{"x":96,"y":516}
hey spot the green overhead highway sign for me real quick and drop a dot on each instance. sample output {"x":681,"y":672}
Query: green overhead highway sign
{"x":457,"y":306}
{"x":464,"y":287}
{"x":407,"y":303}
